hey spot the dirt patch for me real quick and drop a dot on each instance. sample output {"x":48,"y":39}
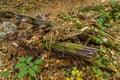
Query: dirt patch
{"x":33,"y":7}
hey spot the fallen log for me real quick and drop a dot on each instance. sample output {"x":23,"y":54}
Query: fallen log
{"x":73,"y":49}
{"x":63,"y":48}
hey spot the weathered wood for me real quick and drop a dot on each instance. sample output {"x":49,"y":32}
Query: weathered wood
{"x":70,"y":48}
{"x":24,"y":18}
{"x":73,"y":49}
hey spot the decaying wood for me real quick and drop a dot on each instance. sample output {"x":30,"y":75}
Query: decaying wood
{"x":64,"y":47}
{"x":24,"y":18}
{"x":111,"y":43}
{"x":69,"y":48}
{"x":73,"y":49}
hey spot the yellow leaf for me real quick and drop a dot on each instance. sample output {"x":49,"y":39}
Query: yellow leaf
{"x":5,"y":69}
{"x":79,"y":78}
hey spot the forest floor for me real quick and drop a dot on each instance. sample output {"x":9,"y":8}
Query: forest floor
{"x":98,"y":21}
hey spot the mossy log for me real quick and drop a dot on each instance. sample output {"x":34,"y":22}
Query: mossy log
{"x":73,"y":49}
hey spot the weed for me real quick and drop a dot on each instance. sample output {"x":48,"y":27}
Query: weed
{"x":27,"y":66}
{"x":5,"y":73}
{"x":75,"y":72}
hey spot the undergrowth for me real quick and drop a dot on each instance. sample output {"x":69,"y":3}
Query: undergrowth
{"x":103,"y":33}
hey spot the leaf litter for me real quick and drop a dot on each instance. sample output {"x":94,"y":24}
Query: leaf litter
{"x":41,"y":34}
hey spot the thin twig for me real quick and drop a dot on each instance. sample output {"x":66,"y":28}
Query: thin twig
{"x":75,"y":33}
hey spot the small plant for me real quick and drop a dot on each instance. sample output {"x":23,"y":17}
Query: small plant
{"x":69,"y":18}
{"x":75,"y":72}
{"x":5,"y":73}
{"x":97,"y":71}
{"x":26,"y":66}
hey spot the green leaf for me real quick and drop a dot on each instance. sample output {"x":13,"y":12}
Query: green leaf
{"x":99,"y":41}
{"x":99,"y":62}
{"x":21,"y":59}
{"x":22,"y":74}
{"x":99,"y":72}
{"x":36,"y":68}
{"x":29,"y":59}
{"x":73,"y":72}
{"x":38,"y":61}
{"x":113,"y":1}
{"x":5,"y":74}
{"x":4,"y":51}
{"x":21,"y":65}
{"x":107,"y":74}
{"x":101,"y":32}
{"x":31,"y":64}
{"x":100,"y":21}
{"x":31,"y":72}
{"x":94,"y":69}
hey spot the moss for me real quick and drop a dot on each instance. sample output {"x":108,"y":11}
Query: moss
{"x":70,"y":47}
